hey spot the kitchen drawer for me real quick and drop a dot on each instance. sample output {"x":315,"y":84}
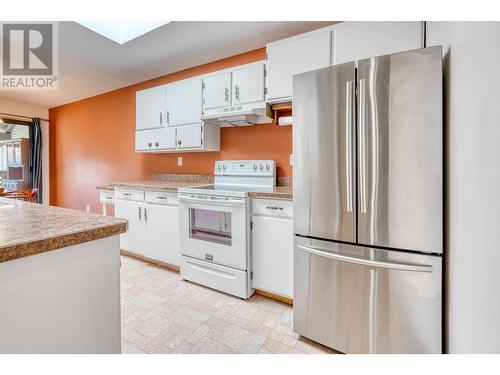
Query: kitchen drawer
{"x":106,"y":196}
{"x":272,"y":207}
{"x":161,"y":197}
{"x":129,"y":194}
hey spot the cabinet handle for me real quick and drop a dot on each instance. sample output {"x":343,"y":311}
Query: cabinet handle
{"x":145,"y":214}
{"x":274,"y":208}
{"x":140,"y":213}
{"x":161,"y":198}
{"x":168,"y":117}
{"x":150,"y":144}
{"x":237,"y":92}
{"x":226,"y":94}
{"x":157,"y":144}
{"x":127,"y":194}
{"x":161,"y":118}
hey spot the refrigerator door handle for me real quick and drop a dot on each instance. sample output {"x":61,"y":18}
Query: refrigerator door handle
{"x":348,"y":145}
{"x":362,"y":144}
{"x":365,"y":262}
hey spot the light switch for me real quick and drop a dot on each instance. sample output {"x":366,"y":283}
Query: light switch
{"x":179,"y":161}
{"x":291,"y":159}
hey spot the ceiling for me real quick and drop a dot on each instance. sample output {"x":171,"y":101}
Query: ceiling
{"x":90,"y":64}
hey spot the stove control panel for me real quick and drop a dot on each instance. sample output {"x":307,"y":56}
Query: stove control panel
{"x":245,"y":168}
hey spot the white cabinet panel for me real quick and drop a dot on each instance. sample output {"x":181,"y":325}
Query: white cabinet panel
{"x":360,"y":40}
{"x":248,"y":84}
{"x":150,"y":107}
{"x":189,"y":136}
{"x":133,"y":239}
{"x":184,"y":102}
{"x":217,"y":90}
{"x":162,"y":233}
{"x":164,"y":139}
{"x":272,"y":255}
{"x":292,"y":56}
{"x":144,"y":140}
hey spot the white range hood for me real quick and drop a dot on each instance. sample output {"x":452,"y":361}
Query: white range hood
{"x":239,"y":115}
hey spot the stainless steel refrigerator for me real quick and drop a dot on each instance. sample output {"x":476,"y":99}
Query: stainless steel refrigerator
{"x":368,"y":196}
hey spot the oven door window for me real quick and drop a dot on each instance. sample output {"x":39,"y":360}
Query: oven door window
{"x":211,"y":226}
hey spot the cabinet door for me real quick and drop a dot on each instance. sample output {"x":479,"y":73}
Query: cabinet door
{"x":217,"y":91}
{"x":272,"y":255}
{"x":189,"y":136}
{"x":184,"y":102}
{"x":292,"y":56}
{"x":164,"y":139}
{"x":133,"y":239}
{"x":162,"y":233}
{"x":360,"y":40}
{"x":150,"y":108}
{"x":248,"y":84}
{"x":144,"y":140}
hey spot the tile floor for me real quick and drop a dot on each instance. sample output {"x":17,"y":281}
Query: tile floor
{"x":163,"y":314}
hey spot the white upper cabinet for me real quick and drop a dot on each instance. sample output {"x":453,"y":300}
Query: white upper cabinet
{"x":144,"y":140}
{"x":184,"y":102}
{"x":150,"y":108}
{"x":217,"y":90}
{"x":189,"y":136}
{"x":248,"y":84}
{"x":164,"y":139}
{"x":360,"y":40}
{"x":295,"y":55}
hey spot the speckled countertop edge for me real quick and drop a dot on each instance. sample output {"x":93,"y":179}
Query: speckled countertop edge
{"x":76,"y":227}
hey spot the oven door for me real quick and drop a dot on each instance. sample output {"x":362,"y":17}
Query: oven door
{"x":214,"y":229}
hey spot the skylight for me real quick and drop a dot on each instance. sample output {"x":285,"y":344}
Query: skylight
{"x":122,"y":32}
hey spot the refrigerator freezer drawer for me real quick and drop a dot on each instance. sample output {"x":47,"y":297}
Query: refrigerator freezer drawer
{"x":363,"y":300}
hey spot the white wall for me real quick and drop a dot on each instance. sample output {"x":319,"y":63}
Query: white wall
{"x":22,"y":109}
{"x":472,"y":118}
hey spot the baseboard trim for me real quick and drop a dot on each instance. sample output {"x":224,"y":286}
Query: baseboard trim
{"x":154,"y":262}
{"x":276,"y":297}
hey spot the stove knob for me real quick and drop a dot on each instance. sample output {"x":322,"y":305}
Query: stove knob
{"x":224,"y":166}
{"x":255,"y":167}
{"x":261,"y":167}
{"x":218,"y":167}
{"x":268,"y":166}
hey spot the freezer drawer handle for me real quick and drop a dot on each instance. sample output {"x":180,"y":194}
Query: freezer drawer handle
{"x":366,"y":262}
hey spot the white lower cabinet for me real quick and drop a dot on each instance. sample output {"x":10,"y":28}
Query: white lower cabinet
{"x":272,"y":246}
{"x":133,"y":239}
{"x":162,"y":233}
{"x":153,"y":225}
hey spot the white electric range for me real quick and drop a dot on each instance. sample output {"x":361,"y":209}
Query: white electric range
{"x":215,"y":225}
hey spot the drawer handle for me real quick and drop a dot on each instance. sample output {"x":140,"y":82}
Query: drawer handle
{"x":127,"y":194}
{"x":161,"y":197}
{"x":274,"y":208}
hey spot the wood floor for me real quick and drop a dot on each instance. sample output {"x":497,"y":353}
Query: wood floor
{"x":163,"y":314}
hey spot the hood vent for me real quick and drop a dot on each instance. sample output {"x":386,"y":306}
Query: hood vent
{"x":240,"y":115}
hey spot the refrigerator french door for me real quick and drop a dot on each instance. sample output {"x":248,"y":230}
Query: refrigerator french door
{"x":368,"y":187}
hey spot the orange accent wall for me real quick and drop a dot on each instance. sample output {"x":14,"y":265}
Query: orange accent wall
{"x":92,"y":142}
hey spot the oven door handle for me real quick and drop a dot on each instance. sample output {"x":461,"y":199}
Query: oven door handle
{"x":225,"y":202}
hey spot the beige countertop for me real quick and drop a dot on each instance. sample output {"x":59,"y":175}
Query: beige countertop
{"x":278,"y":192}
{"x":30,"y":228}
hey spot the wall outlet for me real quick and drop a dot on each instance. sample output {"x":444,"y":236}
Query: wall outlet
{"x":179,"y":161}
{"x":291,"y":159}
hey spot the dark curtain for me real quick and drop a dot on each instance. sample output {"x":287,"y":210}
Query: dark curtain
{"x":36,"y":158}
